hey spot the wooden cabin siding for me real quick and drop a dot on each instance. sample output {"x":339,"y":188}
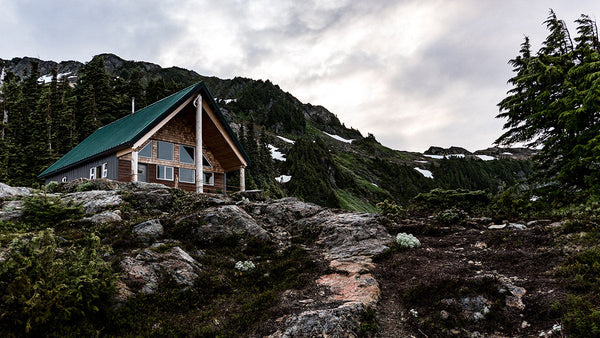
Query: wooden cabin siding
{"x":181,"y":131}
{"x":124,"y":170}
{"x":83,"y":170}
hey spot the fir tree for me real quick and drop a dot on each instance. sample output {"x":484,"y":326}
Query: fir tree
{"x":554,"y":104}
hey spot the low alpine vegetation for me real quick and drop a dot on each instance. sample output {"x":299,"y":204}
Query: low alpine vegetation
{"x":407,"y":241}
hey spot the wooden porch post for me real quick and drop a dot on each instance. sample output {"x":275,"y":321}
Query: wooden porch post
{"x":198,"y":153}
{"x":134,"y":166}
{"x":242,"y":178}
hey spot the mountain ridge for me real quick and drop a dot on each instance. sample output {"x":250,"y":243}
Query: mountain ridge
{"x":353,"y":171}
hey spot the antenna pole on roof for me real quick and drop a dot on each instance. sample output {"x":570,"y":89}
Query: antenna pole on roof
{"x":132,"y":105}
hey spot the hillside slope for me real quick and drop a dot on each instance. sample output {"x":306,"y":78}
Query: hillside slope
{"x":82,"y":258}
{"x":297,"y":149}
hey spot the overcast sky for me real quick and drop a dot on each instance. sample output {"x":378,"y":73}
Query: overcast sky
{"x":414,"y":73}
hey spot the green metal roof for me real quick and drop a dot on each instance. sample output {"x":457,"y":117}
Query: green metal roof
{"x":127,"y":130}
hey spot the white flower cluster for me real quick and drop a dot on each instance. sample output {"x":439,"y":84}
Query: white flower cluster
{"x":245,"y":265}
{"x":405,"y":240}
{"x":556,"y":328}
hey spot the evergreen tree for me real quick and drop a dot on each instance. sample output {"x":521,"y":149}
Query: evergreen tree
{"x":312,"y":170}
{"x":96,"y":104}
{"x":554,"y":104}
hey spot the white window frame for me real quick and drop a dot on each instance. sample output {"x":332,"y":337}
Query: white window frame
{"x":193,"y":176}
{"x":164,"y":169}
{"x":92,"y":173}
{"x":207,"y":161}
{"x":164,"y":143}
{"x":146,"y":146}
{"x":104,"y":170}
{"x":211,"y":180}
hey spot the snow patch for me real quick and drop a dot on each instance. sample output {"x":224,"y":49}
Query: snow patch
{"x":441,"y":157}
{"x":507,"y":153}
{"x":425,"y":172}
{"x":230,"y":100}
{"x":286,"y":139}
{"x":45,"y":79}
{"x":283,"y":178}
{"x":339,"y":138}
{"x":275,"y":153}
{"x":418,"y":161}
{"x":486,"y":157}
{"x":437,"y":157}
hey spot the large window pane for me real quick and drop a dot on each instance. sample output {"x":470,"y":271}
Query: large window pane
{"x":186,"y":154}
{"x":187,"y":175}
{"x":165,"y":151}
{"x":146,"y":151}
{"x":164,"y":172}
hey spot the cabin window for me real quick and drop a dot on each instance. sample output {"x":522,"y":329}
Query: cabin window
{"x":64,"y":179}
{"x":104,"y":170}
{"x":93,"y":173}
{"x":165,"y":151}
{"x":186,"y":154}
{"x":187,"y":175}
{"x":146,"y":151}
{"x":209,"y":178}
{"x":205,"y":162}
{"x":164,"y":172}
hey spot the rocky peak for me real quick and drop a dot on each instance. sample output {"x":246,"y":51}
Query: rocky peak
{"x":433,"y":150}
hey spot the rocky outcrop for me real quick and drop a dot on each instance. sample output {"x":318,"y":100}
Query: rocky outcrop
{"x":222,"y":222}
{"x":105,"y":217}
{"x":143,"y":270}
{"x":11,"y":210}
{"x":433,"y":150}
{"x":347,"y":241}
{"x":342,"y":243}
{"x":7,"y":192}
{"x":148,"y":230}
{"x":95,"y":201}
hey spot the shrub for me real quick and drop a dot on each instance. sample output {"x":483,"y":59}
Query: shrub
{"x":450,"y":216}
{"x":581,"y":316}
{"x":440,"y":199}
{"x":245,"y":265}
{"x":42,"y":211}
{"x":391,"y":209}
{"x":47,"y":288}
{"x":580,"y":310}
{"x":408,"y":241}
{"x":52,"y":186}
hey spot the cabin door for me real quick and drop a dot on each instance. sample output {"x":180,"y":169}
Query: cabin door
{"x":142,"y":172}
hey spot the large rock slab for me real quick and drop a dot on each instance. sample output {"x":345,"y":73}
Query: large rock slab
{"x":146,"y":267}
{"x":285,"y":210}
{"x":148,"y":230}
{"x":105,"y":217}
{"x":224,"y":221}
{"x":341,"y":321}
{"x":95,"y":201}
{"x":11,"y":210}
{"x":347,"y":235}
{"x":7,"y":191}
